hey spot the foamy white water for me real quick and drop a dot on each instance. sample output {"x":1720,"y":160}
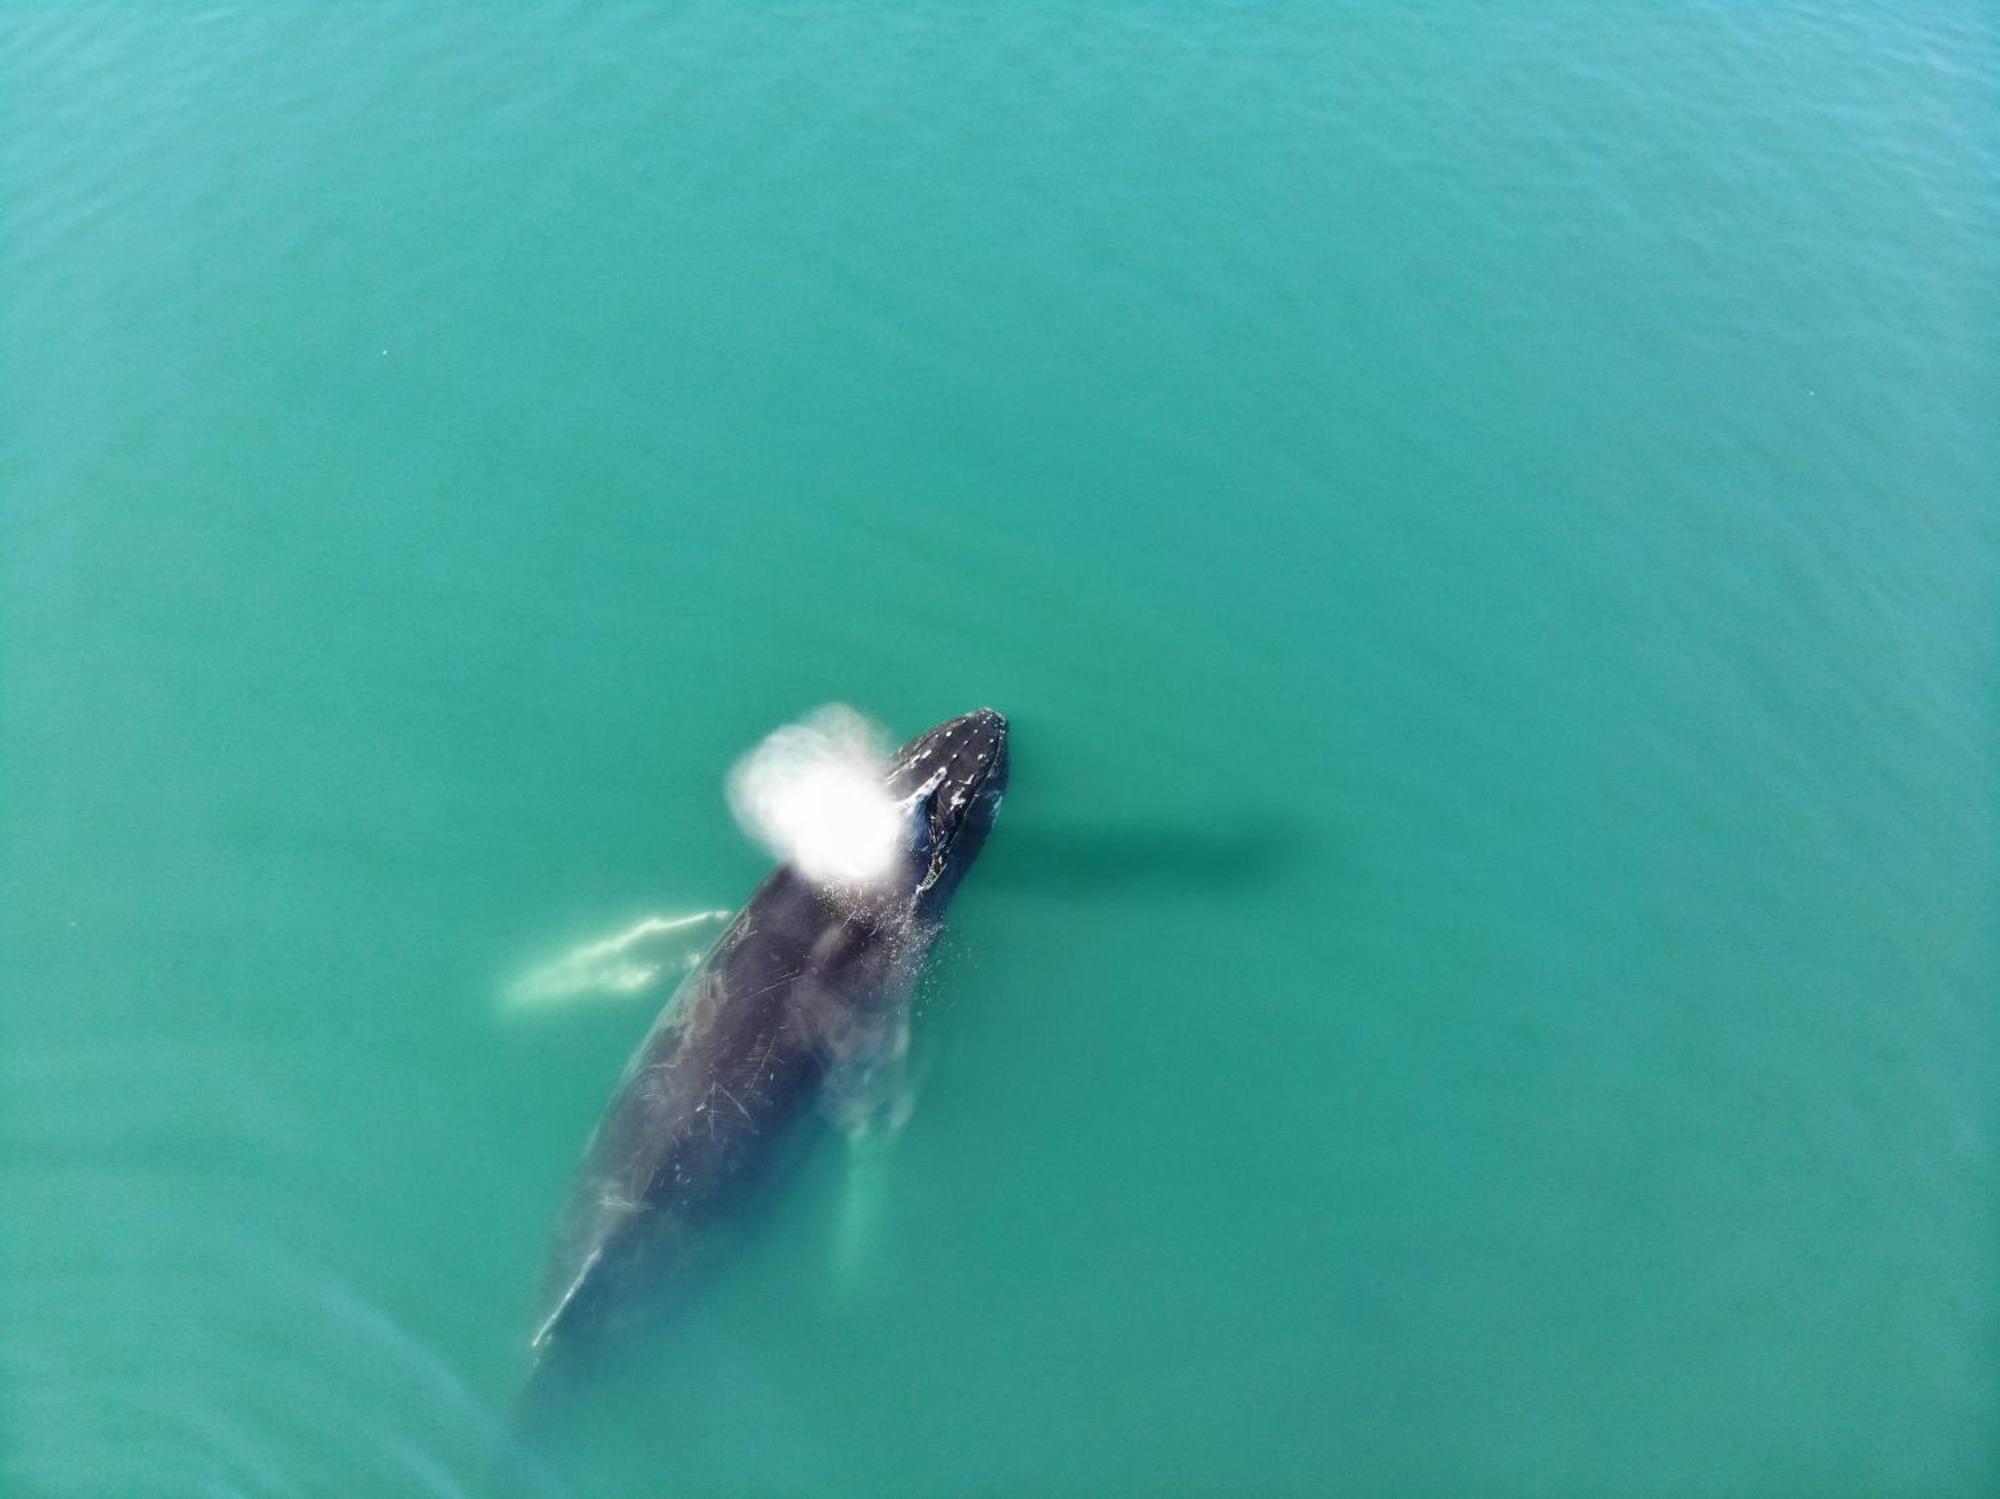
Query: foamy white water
{"x":813,"y":793}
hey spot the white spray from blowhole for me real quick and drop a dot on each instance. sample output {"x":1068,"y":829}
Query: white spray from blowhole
{"x":814,"y":793}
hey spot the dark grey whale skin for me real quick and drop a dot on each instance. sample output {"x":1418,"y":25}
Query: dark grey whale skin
{"x":803,"y":982}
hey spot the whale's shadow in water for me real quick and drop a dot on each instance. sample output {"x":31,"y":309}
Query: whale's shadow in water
{"x":1208,"y":854}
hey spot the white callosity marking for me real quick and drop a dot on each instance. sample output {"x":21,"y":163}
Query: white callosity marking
{"x":627,"y":963}
{"x":814,"y":794}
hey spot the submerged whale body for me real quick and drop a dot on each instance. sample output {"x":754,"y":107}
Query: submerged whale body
{"x":807,"y":987}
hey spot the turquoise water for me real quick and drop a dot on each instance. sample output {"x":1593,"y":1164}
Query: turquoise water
{"x":1485,"y":525}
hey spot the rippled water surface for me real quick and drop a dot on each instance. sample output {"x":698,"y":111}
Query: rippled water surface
{"x":1485,"y":526}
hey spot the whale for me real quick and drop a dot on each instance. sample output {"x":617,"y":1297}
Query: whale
{"x":803,"y":998}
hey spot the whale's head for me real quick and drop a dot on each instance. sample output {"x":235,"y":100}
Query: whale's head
{"x":949,"y":781}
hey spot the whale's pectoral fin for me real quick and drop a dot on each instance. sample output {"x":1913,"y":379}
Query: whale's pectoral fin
{"x":869,"y":1097}
{"x":626,"y":964}
{"x":870,"y":1088}
{"x":866,"y":1165}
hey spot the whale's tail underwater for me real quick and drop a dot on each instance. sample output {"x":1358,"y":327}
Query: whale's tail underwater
{"x":808,"y":987}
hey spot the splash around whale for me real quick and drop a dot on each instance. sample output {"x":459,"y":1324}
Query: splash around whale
{"x":800,"y":1001}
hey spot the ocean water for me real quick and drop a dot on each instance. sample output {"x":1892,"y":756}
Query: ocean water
{"x":1485,"y":521}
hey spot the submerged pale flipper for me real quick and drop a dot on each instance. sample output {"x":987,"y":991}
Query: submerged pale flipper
{"x":626,"y":964}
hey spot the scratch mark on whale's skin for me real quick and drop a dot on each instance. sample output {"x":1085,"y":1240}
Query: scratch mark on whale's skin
{"x":802,"y":991}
